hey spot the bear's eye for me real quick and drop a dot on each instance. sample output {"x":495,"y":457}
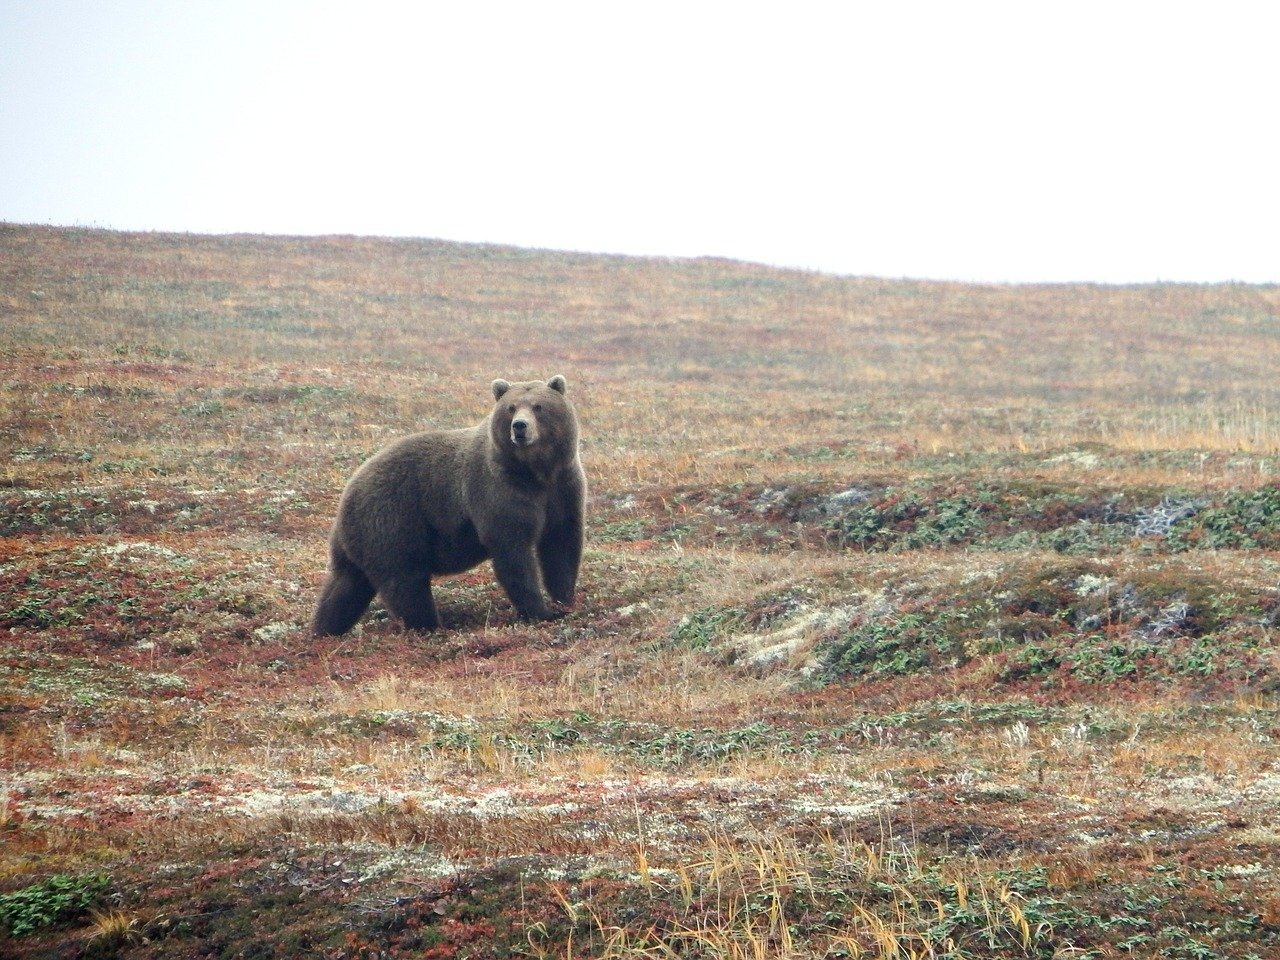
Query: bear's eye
{"x":537,"y":408}
{"x":511,"y":409}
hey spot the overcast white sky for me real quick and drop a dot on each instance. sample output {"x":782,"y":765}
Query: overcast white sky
{"x":1116,"y":141}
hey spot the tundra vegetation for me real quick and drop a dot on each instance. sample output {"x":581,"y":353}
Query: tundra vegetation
{"x":917,"y":620}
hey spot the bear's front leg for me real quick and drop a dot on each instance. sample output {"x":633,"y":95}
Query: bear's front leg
{"x":517,"y":570}
{"x":560,"y":554}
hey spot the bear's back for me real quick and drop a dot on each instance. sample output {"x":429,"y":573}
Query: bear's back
{"x":406,"y":490}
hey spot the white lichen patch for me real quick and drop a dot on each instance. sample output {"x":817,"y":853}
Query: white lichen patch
{"x":1089,"y":583}
{"x":135,"y":548}
{"x":787,"y":643}
{"x":274,"y":631}
{"x":1076,"y":458}
{"x":842,"y":799}
{"x":417,"y":863}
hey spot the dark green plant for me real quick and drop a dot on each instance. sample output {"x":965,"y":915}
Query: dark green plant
{"x":950,"y":520}
{"x":60,"y":897}
{"x":700,"y":629}
{"x":860,"y":527}
{"x":905,"y":644}
{"x":1247,"y":519}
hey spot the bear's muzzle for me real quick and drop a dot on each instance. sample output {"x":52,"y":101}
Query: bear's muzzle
{"x":523,"y":431}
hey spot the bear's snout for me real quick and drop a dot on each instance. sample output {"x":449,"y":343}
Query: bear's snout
{"x":523,"y":431}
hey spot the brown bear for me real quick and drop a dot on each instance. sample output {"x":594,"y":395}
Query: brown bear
{"x":510,"y":489}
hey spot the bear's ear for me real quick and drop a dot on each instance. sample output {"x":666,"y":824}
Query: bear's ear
{"x":557,"y":383}
{"x":499,"y":388}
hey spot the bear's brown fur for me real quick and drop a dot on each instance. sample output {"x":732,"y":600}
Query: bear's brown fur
{"x":510,"y":489}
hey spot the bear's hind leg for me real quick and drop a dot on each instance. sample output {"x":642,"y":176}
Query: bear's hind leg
{"x":409,"y":597}
{"x":345,"y":596}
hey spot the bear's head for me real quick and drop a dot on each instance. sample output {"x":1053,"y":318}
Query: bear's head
{"x":534,"y":423}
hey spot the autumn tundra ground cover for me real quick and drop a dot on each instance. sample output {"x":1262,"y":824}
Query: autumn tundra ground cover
{"x":917,"y":619}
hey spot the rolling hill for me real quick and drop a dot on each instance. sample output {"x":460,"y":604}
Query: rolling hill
{"x":917,"y":620}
